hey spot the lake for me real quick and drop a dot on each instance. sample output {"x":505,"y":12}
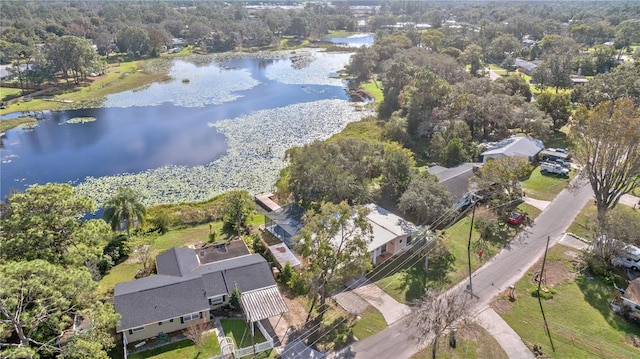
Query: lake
{"x":215,"y":126}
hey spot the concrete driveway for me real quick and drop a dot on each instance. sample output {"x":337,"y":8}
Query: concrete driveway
{"x":362,"y":290}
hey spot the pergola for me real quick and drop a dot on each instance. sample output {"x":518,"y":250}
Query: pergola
{"x":262,"y":304}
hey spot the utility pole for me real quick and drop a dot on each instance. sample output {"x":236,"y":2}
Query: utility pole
{"x":544,"y":318}
{"x":473,"y":214}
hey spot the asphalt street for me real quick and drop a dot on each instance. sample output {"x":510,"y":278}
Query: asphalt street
{"x":499,"y":273}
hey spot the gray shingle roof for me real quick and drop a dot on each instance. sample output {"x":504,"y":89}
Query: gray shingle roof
{"x":188,"y":287}
{"x":516,"y":146}
{"x":176,"y":261}
{"x":456,"y":179}
{"x":161,"y":303}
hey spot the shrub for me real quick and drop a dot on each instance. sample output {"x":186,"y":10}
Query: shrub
{"x":286,"y":273}
{"x":544,"y":293}
{"x":603,"y":272}
{"x":298,"y":284}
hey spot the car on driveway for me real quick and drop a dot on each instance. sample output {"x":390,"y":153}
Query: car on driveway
{"x":515,"y":218}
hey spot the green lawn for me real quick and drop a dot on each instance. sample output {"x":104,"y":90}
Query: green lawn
{"x":581,"y":322}
{"x":371,"y":322}
{"x":545,"y":187}
{"x":241,"y":333}
{"x":405,"y":280}
{"x":7,"y":93}
{"x":586,"y":220}
{"x":473,"y":343}
{"x":368,"y":129}
{"x":184,"y":349}
{"x":374,"y":89}
{"x":123,"y":272}
{"x":15,"y":122}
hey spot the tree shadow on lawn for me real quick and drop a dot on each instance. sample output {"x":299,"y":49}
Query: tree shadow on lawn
{"x":412,"y":279}
{"x":599,"y":295}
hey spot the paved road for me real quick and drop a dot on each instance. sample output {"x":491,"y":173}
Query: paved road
{"x":498,"y":274}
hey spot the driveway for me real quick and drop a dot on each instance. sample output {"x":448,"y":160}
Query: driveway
{"x":496,"y":275}
{"x":391,"y":309}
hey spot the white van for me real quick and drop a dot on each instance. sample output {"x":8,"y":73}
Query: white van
{"x":629,"y":258}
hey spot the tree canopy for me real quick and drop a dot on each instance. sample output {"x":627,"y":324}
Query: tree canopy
{"x":334,"y":240}
{"x":606,"y":142}
{"x":39,"y":302}
{"x":124,"y":210}
{"x":45,"y":222}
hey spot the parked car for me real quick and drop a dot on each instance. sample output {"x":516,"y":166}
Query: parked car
{"x":563,"y":163}
{"x":516,"y":218}
{"x":553,"y":168}
{"x":629,"y":258}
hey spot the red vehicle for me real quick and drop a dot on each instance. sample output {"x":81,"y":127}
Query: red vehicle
{"x":516,"y":218}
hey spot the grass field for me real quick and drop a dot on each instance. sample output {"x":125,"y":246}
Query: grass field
{"x":15,"y":122}
{"x":184,"y":349}
{"x":586,"y":220}
{"x":241,"y":333}
{"x":472,"y":343}
{"x":545,"y":187}
{"x":371,"y":322}
{"x":374,"y":89}
{"x":581,"y":322}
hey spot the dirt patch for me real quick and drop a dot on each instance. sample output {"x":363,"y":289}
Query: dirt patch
{"x":555,"y":273}
{"x":297,"y":312}
{"x":502,"y":303}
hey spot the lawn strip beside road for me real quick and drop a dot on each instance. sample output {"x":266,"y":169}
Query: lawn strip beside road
{"x":545,"y":187}
{"x":581,"y":321}
{"x":472,"y":343}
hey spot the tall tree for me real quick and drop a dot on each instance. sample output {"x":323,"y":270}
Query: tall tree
{"x":425,"y":199}
{"x":124,"y":210}
{"x":132,"y":39}
{"x":435,"y":314}
{"x":334,"y":241}
{"x":38,"y":304}
{"x":237,"y":208}
{"x":556,"y":105}
{"x":397,"y":167}
{"x":606,"y":142}
{"x":44,"y":222}
{"x":472,"y":56}
{"x":72,"y":55}
{"x":500,"y":180}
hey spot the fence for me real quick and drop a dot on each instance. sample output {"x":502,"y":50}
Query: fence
{"x":227,"y":346}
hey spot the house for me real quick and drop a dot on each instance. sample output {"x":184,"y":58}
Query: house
{"x":631,"y":296}
{"x":456,"y":179}
{"x":190,"y":285}
{"x":391,"y":234}
{"x":525,"y":66}
{"x":525,"y":147}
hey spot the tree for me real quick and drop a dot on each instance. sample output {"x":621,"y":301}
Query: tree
{"x":554,"y":71}
{"x":472,"y":56}
{"x":334,"y":242}
{"x":70,"y":54}
{"x":132,"y":39}
{"x":556,"y":105}
{"x":516,"y":86}
{"x":38,"y":303}
{"x":237,"y":208}
{"x":124,"y":209}
{"x":158,"y":37}
{"x":434,"y":315}
{"x":606,"y":142}
{"x":425,"y":199}
{"x":142,"y":248}
{"x":44,"y":222}
{"x":195,"y":333}
{"x":397,"y":166}
{"x":500,"y":180}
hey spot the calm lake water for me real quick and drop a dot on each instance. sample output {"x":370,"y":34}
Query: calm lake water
{"x":226,"y":127}
{"x":358,"y":40}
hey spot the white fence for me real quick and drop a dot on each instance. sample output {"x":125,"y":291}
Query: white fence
{"x":227,"y":346}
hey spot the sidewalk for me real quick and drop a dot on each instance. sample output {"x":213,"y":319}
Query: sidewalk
{"x":508,"y":339}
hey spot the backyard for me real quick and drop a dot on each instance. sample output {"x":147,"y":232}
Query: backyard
{"x":580,"y":320}
{"x":184,"y":349}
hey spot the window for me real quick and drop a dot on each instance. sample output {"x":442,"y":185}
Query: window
{"x":135,"y":330}
{"x":159,"y":323}
{"x":409,"y":239}
{"x":191,"y":316}
{"x":216,"y":300}
{"x":170,"y":320}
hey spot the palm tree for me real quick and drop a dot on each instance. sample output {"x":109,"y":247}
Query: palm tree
{"x":124,"y":209}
